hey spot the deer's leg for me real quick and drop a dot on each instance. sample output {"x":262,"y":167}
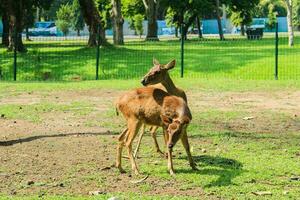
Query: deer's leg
{"x":133,"y":128}
{"x":121,"y":139}
{"x":153,"y":134}
{"x":170,"y":162}
{"x":169,"y":153}
{"x":186,"y":145}
{"x":166,"y":139}
{"x":139,"y":141}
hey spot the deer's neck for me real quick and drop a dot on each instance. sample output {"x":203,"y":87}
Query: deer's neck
{"x":169,"y":85}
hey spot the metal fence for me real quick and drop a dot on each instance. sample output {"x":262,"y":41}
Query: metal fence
{"x":69,"y":58}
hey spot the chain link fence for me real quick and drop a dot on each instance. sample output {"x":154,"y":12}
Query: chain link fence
{"x":69,"y":58}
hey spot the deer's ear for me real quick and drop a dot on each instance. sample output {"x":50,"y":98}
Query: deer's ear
{"x":166,"y":120}
{"x":155,"y":62}
{"x":170,"y":65}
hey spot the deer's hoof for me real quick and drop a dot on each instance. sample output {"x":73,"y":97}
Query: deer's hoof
{"x":136,"y":172}
{"x":121,"y":170}
{"x":194,"y":166}
{"x":172,"y":173}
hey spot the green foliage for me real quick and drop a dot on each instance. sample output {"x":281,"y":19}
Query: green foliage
{"x":77,"y":21}
{"x":263,"y":8}
{"x":242,"y":11}
{"x":296,"y":16}
{"x":104,"y":8}
{"x":271,"y":17}
{"x":130,"y":8}
{"x":64,"y":18}
{"x":138,"y":24}
{"x":50,"y":13}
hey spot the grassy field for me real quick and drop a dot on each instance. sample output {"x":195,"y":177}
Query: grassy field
{"x":237,"y":58}
{"x":58,"y":140}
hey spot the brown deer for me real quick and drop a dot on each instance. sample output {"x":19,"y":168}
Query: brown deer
{"x":154,"y":107}
{"x":159,"y":77}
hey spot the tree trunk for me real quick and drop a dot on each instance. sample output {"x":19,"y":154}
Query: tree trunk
{"x":289,"y":9}
{"x":78,"y":32}
{"x":27,"y":34}
{"x":117,"y":22}
{"x":93,"y":20}
{"x":15,"y":10}
{"x":176,"y":31}
{"x":219,"y":20}
{"x":200,"y":35}
{"x":242,"y":29}
{"x":5,"y":34}
{"x":187,"y":25}
{"x":151,"y":13}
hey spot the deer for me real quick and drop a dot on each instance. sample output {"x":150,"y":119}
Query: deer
{"x":154,"y":107}
{"x":159,"y":77}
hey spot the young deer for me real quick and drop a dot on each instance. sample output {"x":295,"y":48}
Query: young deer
{"x":154,"y":107}
{"x":159,"y":77}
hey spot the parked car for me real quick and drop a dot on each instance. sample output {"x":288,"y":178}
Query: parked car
{"x":43,"y":29}
{"x":256,"y":29}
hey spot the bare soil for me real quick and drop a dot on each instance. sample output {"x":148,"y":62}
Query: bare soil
{"x":65,"y":154}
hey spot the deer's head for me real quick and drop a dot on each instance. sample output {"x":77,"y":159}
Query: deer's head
{"x":157,"y":73}
{"x":174,"y":129}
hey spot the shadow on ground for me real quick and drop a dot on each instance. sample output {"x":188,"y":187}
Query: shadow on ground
{"x":226,"y":169}
{"x":32,"y":138}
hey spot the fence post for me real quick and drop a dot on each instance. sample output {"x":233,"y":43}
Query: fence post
{"x":98,"y":52}
{"x":15,"y":35}
{"x":182,"y":50}
{"x":276,"y":50}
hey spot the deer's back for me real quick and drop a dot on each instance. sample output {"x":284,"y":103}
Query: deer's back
{"x":144,"y":104}
{"x":148,"y":103}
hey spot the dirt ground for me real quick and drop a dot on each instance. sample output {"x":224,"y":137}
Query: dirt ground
{"x":67,"y":153}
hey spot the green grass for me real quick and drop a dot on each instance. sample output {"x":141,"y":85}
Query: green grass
{"x":237,"y":162}
{"x":33,"y":113}
{"x":210,"y":58}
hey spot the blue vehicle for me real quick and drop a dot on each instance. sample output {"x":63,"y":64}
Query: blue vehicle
{"x":44,"y":29}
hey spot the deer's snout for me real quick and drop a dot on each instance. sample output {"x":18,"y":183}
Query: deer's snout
{"x":144,"y":82}
{"x":170,"y":145}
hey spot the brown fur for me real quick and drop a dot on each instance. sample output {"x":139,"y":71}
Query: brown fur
{"x":154,"y":107}
{"x":158,"y":77}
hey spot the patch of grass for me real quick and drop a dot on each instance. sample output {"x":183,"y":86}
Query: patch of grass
{"x":34,"y":112}
{"x":12,"y":88}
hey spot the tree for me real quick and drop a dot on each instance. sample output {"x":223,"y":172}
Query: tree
{"x":50,"y":14}
{"x":242,"y":12}
{"x":130,"y":8}
{"x":64,"y":18}
{"x":28,"y":20}
{"x":151,"y":13}
{"x":5,"y":22}
{"x":271,"y":17}
{"x":185,"y":12}
{"x":118,"y":21}
{"x":200,"y":35}
{"x":289,"y":7}
{"x":15,"y":12}
{"x":92,"y":18}
{"x":220,"y":28}
{"x":77,"y":20}
{"x":138,"y":24}
{"x":296,"y":19}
